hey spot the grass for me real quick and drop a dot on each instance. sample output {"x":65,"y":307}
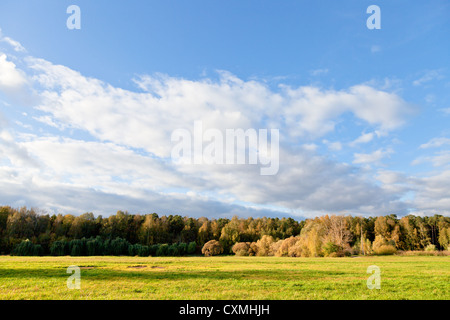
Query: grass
{"x":225,"y":277}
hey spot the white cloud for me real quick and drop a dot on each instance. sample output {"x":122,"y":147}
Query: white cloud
{"x":435,"y":143}
{"x":367,"y":158}
{"x":10,"y":77}
{"x":135,"y":118}
{"x":440,"y":159}
{"x":318,"y":72}
{"x":363,"y":138}
{"x":427,"y":77}
{"x":333,"y":146}
{"x":432,"y":194}
{"x":314,"y":112}
{"x":14,"y":44}
{"x":388,"y":177}
{"x":310,"y":146}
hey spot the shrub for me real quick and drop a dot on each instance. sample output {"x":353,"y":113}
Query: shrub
{"x":94,"y":247}
{"x":119,"y":247}
{"x":143,"y":251}
{"x":330,"y":248}
{"x":212,"y":248}
{"x":241,"y":248}
{"x":299,"y":249}
{"x":380,"y":242}
{"x":430,"y":247}
{"x":333,"y":255}
{"x":38,"y":250}
{"x":276,"y":246}
{"x":173,"y":250}
{"x":162,"y":250}
{"x":253,"y":249}
{"x":192,"y":247}
{"x":264,"y":246}
{"x":348,"y":252}
{"x":283,"y":250}
{"x":182,"y":248}
{"x":27,"y":248}
{"x":154,"y":249}
{"x":58,"y":248}
{"x":138,"y":250}
{"x":385,"y":250}
{"x":107,"y":248}
{"x":132,"y":250}
{"x":76,"y":250}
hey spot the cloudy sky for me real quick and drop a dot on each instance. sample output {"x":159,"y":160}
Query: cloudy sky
{"x":86,"y":115}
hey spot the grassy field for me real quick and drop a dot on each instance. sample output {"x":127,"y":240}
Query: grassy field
{"x":228,"y":277}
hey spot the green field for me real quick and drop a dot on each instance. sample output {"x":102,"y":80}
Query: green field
{"x":227,"y":277}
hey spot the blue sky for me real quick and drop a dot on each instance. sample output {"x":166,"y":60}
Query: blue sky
{"x":86,"y":115}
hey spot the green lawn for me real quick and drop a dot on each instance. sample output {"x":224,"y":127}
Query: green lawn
{"x":227,"y":277}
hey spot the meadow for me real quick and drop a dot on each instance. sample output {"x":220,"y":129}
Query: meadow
{"x":225,"y":277}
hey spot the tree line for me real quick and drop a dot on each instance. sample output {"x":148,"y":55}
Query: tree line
{"x":27,"y":231}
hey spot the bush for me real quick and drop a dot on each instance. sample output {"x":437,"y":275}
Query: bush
{"x":138,"y":250}
{"x":107,"y":248}
{"x":27,"y":248}
{"x":430,"y":247}
{"x":154,"y":249}
{"x":76,"y":248}
{"x":132,"y":250}
{"x":212,"y":248}
{"x":162,"y":250}
{"x":144,"y":251}
{"x":385,"y":250}
{"x":173,"y":250}
{"x":264,"y":246}
{"x":191,"y":248}
{"x":58,"y":248}
{"x":348,"y":252}
{"x":38,"y":250}
{"x":95,"y":247}
{"x":241,"y":248}
{"x":276,"y":247}
{"x":330,"y":248}
{"x":119,"y":247}
{"x":182,"y":248}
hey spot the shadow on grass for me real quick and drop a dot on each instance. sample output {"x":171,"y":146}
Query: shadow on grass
{"x":150,"y":273}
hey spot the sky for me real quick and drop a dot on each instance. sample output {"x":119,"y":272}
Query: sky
{"x":87,"y":115}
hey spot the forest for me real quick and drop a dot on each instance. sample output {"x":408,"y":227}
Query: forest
{"x":28,"y":231}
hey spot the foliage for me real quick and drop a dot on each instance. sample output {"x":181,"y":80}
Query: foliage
{"x":330,"y":248}
{"x":241,"y":249}
{"x":192,"y":247}
{"x":27,"y":248}
{"x":65,"y":234}
{"x":212,"y":248}
{"x":384,"y":250}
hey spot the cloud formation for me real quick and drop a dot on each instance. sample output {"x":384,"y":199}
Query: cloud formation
{"x":119,"y":155}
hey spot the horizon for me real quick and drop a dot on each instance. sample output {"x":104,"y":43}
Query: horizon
{"x":40,"y":212}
